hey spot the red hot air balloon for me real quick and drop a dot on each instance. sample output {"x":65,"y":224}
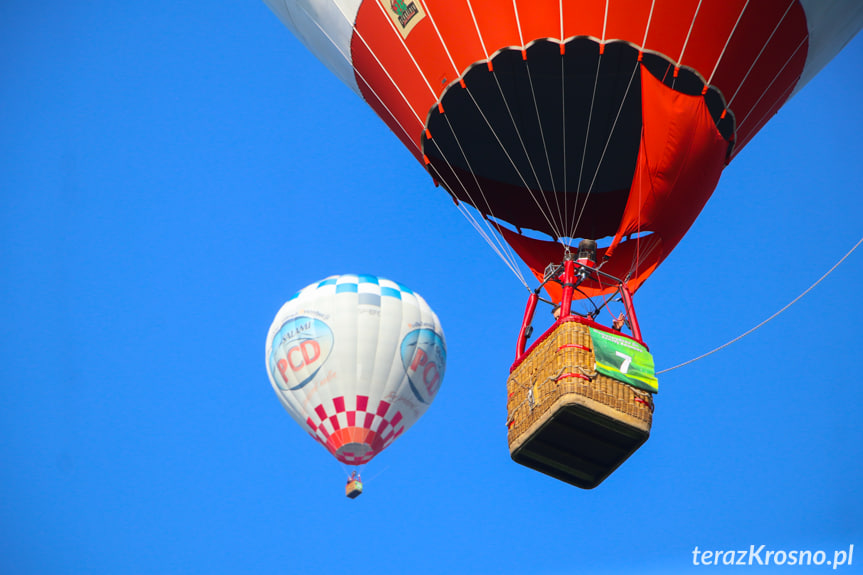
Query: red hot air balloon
{"x":580,"y":118}
{"x":606,"y":120}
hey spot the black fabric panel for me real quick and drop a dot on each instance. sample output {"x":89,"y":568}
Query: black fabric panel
{"x":534,"y":140}
{"x":527,"y":128}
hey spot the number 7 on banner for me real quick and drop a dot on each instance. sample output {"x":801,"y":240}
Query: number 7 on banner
{"x":627,"y":359}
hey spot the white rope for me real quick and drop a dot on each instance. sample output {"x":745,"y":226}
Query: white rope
{"x":571,"y":232}
{"x":727,"y":41}
{"x":647,"y":27}
{"x":375,"y":476}
{"x":518,"y":24}
{"x":607,"y":142}
{"x":478,"y":32}
{"x":521,"y":141}
{"x":410,"y":54}
{"x":792,"y":302}
{"x":442,"y":43}
{"x":367,"y":83}
{"x":763,"y":48}
{"x":563,"y":150}
{"x":542,"y":136}
{"x":774,"y":108}
{"x":770,"y":85}
{"x":498,"y":246}
{"x":605,"y":21}
{"x":688,"y":34}
{"x":518,"y":173}
{"x":502,"y":250}
{"x":561,"y":21}
{"x":492,"y":239}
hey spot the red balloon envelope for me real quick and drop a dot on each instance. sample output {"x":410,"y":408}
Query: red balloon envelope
{"x":579,"y":118}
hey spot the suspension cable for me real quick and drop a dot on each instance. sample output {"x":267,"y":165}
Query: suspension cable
{"x":792,"y":302}
{"x":605,"y":148}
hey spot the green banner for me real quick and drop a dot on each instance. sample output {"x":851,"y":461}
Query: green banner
{"x":623,"y":359}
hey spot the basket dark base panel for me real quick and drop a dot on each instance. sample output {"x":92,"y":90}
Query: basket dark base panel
{"x":578,"y":445}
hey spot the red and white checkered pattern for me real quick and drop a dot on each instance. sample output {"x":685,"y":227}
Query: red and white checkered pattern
{"x":352,"y":433}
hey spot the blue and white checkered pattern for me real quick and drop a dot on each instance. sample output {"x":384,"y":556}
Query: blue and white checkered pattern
{"x":362,"y":284}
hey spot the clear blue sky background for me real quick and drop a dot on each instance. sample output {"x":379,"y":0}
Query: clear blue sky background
{"x":171,"y":172}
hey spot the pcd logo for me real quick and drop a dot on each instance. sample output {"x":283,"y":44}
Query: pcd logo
{"x":300,"y":349}
{"x":424,"y":358}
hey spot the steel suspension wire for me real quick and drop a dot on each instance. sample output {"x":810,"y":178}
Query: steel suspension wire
{"x":375,"y":476}
{"x":605,"y":148}
{"x":545,"y":213}
{"x":492,"y":239}
{"x":791,"y":4}
{"x":788,"y":305}
{"x":521,"y":142}
{"x":775,"y":107}
{"x":500,"y":249}
{"x":571,"y":231}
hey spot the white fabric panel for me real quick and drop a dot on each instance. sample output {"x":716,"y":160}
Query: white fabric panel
{"x":832,"y":24}
{"x":325,"y":27}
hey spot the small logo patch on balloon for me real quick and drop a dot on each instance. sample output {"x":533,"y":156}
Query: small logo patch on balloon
{"x":405,"y":14}
{"x":424,"y":358}
{"x":300,"y":349}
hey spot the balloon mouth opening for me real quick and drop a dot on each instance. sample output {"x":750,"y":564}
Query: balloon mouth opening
{"x":355,"y":453}
{"x":500,"y":175}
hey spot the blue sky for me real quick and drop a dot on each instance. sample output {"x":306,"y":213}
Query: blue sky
{"x":170,"y":174}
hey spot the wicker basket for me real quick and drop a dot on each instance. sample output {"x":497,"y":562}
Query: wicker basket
{"x":566,"y":420}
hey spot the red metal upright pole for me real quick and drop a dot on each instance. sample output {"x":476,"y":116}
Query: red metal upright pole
{"x":525,"y":325}
{"x":568,"y":286}
{"x":630,"y":312}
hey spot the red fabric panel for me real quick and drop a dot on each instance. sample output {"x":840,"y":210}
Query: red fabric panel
{"x":321,"y":412}
{"x":582,"y":18}
{"x":759,"y":63}
{"x":376,"y":52}
{"x":362,"y":402}
{"x":537,"y":254}
{"x":770,"y":99}
{"x":669,"y":26}
{"x":339,"y":404}
{"x":383,"y":407}
{"x":539,"y":19}
{"x":777,"y":58}
{"x":679,"y":164}
{"x":765,"y":110}
{"x":375,"y":34}
{"x":456,"y":27}
{"x":497,"y":24}
{"x":627,"y":20}
{"x":681,"y":156}
{"x":710,"y":31}
{"x":762,"y":44}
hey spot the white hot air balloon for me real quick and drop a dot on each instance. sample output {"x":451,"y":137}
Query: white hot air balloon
{"x":356,"y":360}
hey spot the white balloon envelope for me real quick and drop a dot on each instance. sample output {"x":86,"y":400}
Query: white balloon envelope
{"x":356,"y":360}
